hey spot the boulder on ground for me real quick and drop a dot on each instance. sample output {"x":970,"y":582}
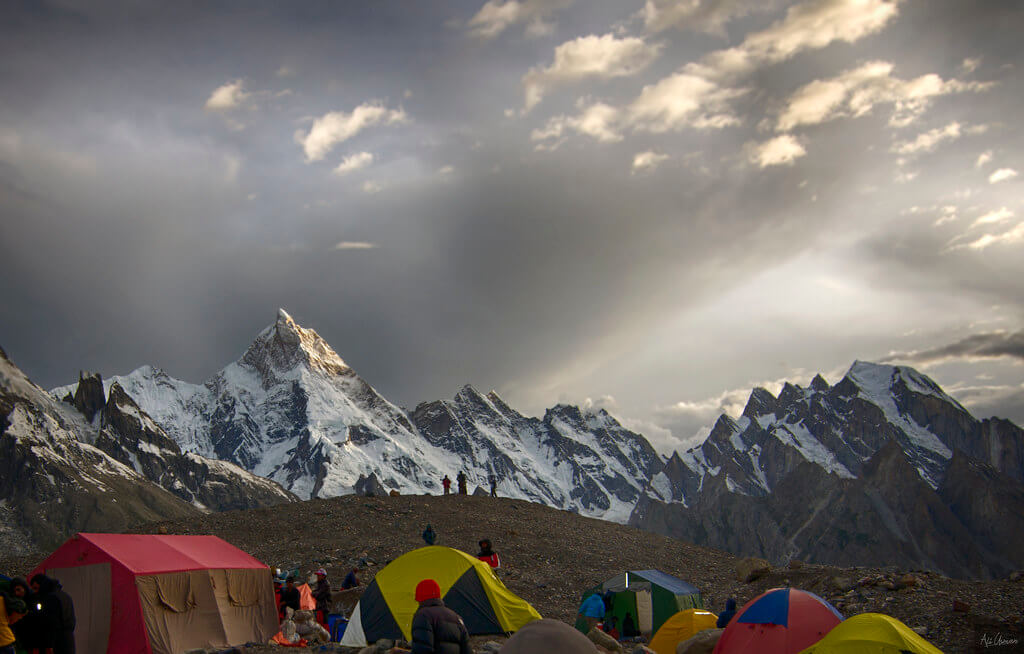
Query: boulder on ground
{"x":751,"y":568}
{"x":842,"y":584}
{"x":703,"y":642}
{"x":394,"y":493}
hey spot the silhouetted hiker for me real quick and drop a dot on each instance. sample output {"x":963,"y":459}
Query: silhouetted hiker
{"x":494,"y":484}
{"x":726,"y":615}
{"x":462,"y":482}
{"x":429,"y":535}
{"x":447,"y":483}
{"x":437,"y":629}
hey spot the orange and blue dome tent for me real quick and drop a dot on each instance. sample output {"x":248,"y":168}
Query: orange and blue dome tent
{"x":872,"y":633}
{"x":779,"y":621}
{"x":681,"y":626}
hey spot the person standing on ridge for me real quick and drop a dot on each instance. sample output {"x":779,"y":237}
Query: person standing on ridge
{"x":429,"y":535}
{"x":493,"y":478}
{"x":436,"y":629}
{"x":447,"y":483}
{"x":462,"y":482}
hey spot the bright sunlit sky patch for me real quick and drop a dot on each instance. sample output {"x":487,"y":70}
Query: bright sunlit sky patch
{"x":649,"y":205}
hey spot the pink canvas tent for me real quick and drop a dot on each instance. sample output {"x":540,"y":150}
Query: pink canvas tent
{"x":150,"y":594}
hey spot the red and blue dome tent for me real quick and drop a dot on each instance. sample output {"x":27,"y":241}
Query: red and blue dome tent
{"x":779,"y":621}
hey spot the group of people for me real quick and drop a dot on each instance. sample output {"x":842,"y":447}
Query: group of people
{"x":36,"y":617}
{"x":446,"y":484}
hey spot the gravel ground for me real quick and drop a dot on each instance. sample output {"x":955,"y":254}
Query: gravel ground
{"x":550,"y":557}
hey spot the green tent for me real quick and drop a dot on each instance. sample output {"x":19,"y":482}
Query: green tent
{"x":650,"y":596}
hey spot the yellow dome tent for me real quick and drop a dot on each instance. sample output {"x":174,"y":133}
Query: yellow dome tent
{"x":680,"y":627}
{"x":468,"y":587}
{"x":872,"y":633}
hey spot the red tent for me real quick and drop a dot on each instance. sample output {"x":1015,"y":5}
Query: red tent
{"x":154,"y":594}
{"x":778,"y":621}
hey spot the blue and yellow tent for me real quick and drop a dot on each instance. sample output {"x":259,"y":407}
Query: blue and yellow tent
{"x":468,"y":587}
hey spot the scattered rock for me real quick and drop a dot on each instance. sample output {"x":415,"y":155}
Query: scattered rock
{"x":908,"y":580}
{"x":921,"y":631}
{"x":796,"y":564}
{"x":642,"y":649}
{"x":961,"y":607}
{"x":751,"y":569}
{"x":162,"y":530}
{"x":1017,"y":575}
{"x":491,"y":646}
{"x":842,"y":584}
{"x":394,"y":493}
{"x":702,"y":643}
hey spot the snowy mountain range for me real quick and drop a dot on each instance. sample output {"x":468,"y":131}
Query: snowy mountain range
{"x":290,"y":409}
{"x":871,"y":468}
{"x":882,"y":466}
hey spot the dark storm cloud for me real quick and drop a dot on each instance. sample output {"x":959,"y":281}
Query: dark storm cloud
{"x":142,"y":227}
{"x":989,"y":345}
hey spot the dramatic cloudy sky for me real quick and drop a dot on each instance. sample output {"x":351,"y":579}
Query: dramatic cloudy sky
{"x":650,"y":206}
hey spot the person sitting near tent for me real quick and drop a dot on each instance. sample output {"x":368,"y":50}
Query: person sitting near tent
{"x":437,"y":629}
{"x":322,"y":595}
{"x":629,"y":627}
{"x":488,"y":555}
{"x":289,"y":595}
{"x":351,"y":580}
{"x":610,"y":628}
{"x":592,"y":610}
{"x":429,"y":535}
{"x":447,"y":484}
{"x":725,"y":616}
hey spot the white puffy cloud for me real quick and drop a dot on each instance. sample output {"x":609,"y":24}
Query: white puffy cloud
{"x":1002,"y":175}
{"x":699,"y":15}
{"x":598,"y":121}
{"x":371,"y":187}
{"x":648,"y":160}
{"x":928,"y":141}
{"x":590,"y":56}
{"x":856,"y":92}
{"x":354,"y":245}
{"x":809,"y":26}
{"x":228,"y":96}
{"x":782,"y":150}
{"x":496,"y":16}
{"x":700,"y":94}
{"x":354,"y":162}
{"x":983,"y":159}
{"x":997,"y":216}
{"x":337,"y":126}
{"x":683,"y":100}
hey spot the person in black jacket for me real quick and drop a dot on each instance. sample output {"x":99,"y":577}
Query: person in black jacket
{"x":725,"y":616}
{"x":48,"y":621}
{"x":437,"y":629}
{"x":290,"y":595}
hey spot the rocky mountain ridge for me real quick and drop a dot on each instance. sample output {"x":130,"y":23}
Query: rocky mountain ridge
{"x":883,"y":465}
{"x":98,"y":463}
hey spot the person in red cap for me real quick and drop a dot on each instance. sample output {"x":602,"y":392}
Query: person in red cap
{"x":437,"y":629}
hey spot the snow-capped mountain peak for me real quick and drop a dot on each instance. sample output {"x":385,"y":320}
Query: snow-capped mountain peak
{"x":284,"y":346}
